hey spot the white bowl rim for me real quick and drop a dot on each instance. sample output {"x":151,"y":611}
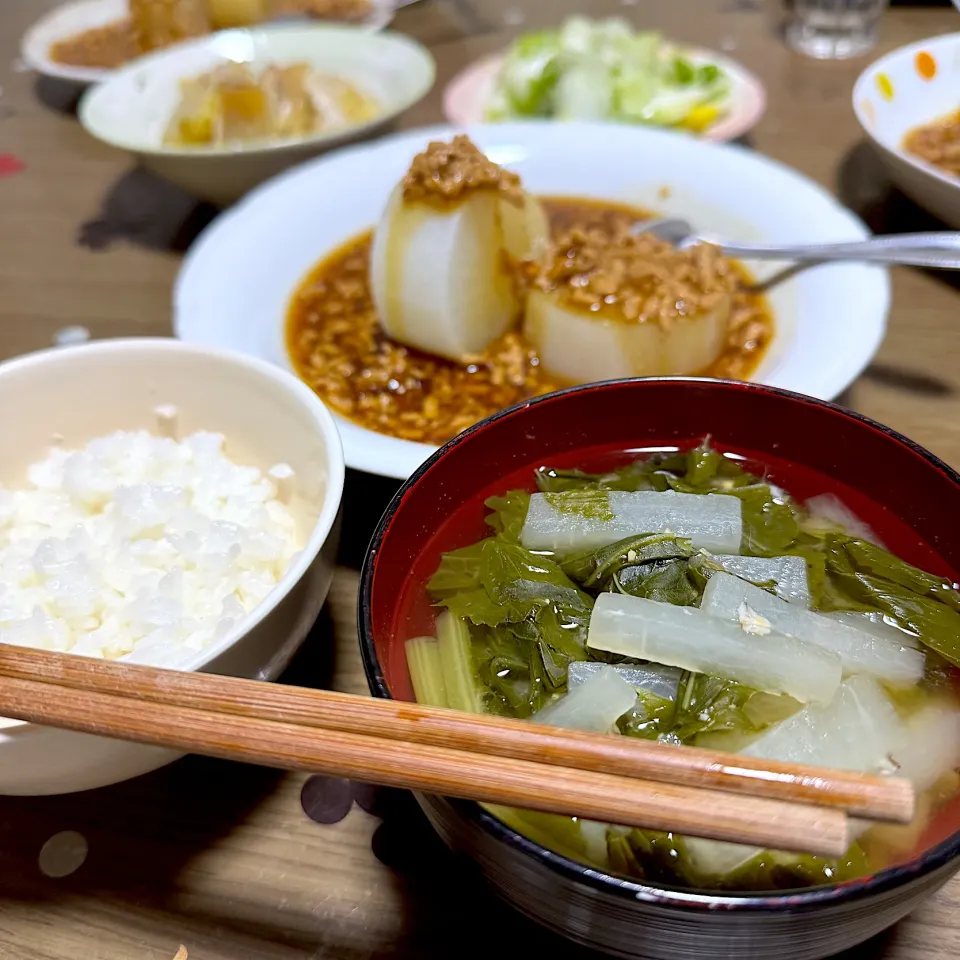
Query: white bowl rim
{"x":864,"y":78}
{"x":381,"y":17}
{"x":399,"y":466}
{"x":333,"y":492}
{"x":257,"y":147}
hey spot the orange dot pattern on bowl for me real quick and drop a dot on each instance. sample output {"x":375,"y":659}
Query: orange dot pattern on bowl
{"x":869,"y":113}
{"x":885,"y":86}
{"x":926,"y":65}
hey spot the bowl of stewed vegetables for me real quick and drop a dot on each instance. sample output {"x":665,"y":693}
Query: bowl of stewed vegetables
{"x":694,"y":562}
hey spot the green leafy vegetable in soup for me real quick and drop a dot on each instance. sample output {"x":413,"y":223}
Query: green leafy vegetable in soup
{"x":683,"y":599}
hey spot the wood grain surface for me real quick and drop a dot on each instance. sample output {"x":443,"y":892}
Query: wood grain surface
{"x":242,"y":863}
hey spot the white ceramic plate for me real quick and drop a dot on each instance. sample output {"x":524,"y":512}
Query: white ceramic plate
{"x":68,"y":20}
{"x":902,"y":90}
{"x":237,"y":280}
{"x":466,"y":96}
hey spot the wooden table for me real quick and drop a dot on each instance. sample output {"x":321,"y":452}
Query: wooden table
{"x":239,"y":863}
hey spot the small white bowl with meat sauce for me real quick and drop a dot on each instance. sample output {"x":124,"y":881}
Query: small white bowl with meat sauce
{"x":908,"y":106}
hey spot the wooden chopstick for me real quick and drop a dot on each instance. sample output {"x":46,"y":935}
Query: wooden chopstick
{"x":501,"y":780}
{"x":875,"y":798}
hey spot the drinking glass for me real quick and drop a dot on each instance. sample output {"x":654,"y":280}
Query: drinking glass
{"x":834,"y":29}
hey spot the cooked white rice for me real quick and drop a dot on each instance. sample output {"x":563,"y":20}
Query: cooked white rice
{"x":139,"y":547}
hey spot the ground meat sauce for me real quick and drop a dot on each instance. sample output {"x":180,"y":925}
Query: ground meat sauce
{"x":101,"y":48}
{"x":937,"y":143}
{"x":446,"y":172}
{"x":635,"y":278}
{"x":337,"y":346}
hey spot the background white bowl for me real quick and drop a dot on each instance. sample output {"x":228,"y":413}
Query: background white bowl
{"x":133,"y":107}
{"x":892,"y":96}
{"x":237,"y":281}
{"x":69,"y":19}
{"x":267,"y":417}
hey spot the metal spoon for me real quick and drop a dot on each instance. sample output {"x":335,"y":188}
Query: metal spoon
{"x":940,"y":249}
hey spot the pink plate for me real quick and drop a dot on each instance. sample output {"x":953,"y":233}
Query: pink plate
{"x":466,"y":94}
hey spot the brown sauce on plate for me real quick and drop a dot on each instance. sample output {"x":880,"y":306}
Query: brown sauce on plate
{"x":336,"y":344}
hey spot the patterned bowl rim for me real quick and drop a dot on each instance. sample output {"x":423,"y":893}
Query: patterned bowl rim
{"x":593,"y":877}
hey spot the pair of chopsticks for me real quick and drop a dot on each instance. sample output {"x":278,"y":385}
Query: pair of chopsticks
{"x":621,"y":780}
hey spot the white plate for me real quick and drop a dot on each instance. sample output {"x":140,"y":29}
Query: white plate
{"x":905,"y":88}
{"x":466,"y":96}
{"x":237,"y":280}
{"x":68,"y":20}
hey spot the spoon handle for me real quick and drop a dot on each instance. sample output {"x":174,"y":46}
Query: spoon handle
{"x":940,"y":250}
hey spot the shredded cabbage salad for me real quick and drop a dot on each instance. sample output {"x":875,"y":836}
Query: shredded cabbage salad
{"x":604,"y":70}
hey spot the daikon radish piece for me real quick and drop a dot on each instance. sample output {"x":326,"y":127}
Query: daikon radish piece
{"x":875,"y":624}
{"x":580,"y":346}
{"x":856,"y":731}
{"x":928,"y":756}
{"x":929,"y":746}
{"x":829,"y":512}
{"x":716,"y":858}
{"x":691,"y":639}
{"x":712,"y":521}
{"x":439,"y":276}
{"x":730,"y":598}
{"x":526,"y":229}
{"x":594,"y":834}
{"x":653,"y":678}
{"x":788,"y":573}
{"x":593,"y":706}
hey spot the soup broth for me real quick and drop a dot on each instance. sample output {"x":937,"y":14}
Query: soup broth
{"x":724,"y":715}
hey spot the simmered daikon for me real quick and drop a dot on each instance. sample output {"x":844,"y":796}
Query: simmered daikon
{"x":860,"y":651}
{"x":440,"y":280}
{"x":570,"y":522}
{"x":582,"y":347}
{"x":693,"y":640}
{"x":871,"y":732}
{"x":442,"y":266}
{"x":788,"y":574}
{"x":654,"y":678}
{"x":593,"y":706}
{"x":610,"y":305}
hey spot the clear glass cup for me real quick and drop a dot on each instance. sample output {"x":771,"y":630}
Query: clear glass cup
{"x":834,"y":29}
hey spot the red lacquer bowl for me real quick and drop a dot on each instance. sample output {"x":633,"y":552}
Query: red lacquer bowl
{"x":907,"y":495}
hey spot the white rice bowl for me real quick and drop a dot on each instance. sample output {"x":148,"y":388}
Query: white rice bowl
{"x":163,"y":504}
